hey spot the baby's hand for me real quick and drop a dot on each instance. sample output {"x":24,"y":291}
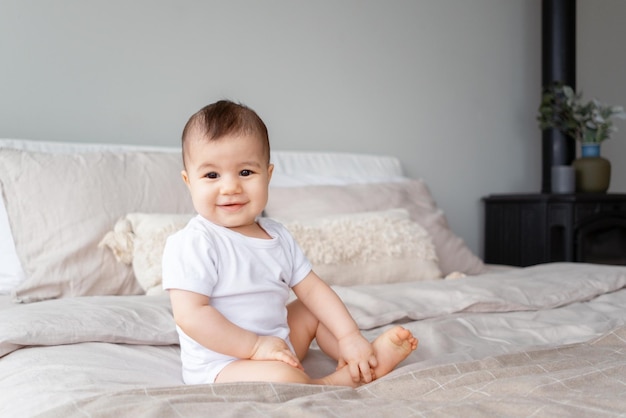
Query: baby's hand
{"x":358,"y":354}
{"x":274,"y":348}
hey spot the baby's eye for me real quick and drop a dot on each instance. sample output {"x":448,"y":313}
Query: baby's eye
{"x":211,"y":175}
{"x":245,"y":173}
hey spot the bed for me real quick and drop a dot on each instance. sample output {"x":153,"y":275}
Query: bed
{"x":85,"y":329}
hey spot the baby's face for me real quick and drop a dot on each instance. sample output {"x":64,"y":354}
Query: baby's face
{"x":228,"y":179}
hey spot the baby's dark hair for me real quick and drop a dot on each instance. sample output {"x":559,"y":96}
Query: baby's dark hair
{"x":222,"y":118}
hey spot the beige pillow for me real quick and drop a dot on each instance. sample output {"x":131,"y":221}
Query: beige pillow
{"x":297,"y":203}
{"x":61,"y":205}
{"x":367,"y":248}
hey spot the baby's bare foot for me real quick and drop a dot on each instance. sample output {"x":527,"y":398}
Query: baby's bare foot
{"x":390,"y":348}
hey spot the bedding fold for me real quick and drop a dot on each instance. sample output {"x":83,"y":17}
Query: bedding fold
{"x":544,"y":286}
{"x":148,"y":319}
{"x":114,"y":319}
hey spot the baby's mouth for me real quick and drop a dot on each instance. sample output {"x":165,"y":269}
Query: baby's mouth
{"x":231,"y":207}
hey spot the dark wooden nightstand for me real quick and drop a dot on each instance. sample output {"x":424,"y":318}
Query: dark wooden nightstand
{"x":528,"y":229}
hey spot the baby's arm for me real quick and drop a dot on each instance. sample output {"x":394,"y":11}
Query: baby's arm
{"x":328,"y":308}
{"x":206,"y":325}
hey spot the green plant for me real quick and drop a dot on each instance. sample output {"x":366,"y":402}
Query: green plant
{"x":561,"y":108}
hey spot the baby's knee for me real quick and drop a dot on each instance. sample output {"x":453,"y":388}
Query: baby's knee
{"x":285,"y":373}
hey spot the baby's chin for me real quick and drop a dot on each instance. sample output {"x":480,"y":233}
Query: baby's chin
{"x":253,"y":230}
{"x":225,"y":222}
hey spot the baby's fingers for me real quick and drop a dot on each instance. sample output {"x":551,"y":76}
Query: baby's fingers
{"x":366,"y":372}
{"x":289,"y":358}
{"x":372,"y":361}
{"x":355,"y":373}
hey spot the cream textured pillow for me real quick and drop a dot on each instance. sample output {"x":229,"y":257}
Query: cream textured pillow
{"x":139,"y":240}
{"x":61,"y":205}
{"x":297,"y":203}
{"x":364,"y":248}
{"x":367,"y":248}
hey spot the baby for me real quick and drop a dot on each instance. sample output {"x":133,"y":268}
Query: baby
{"x":229,"y":272}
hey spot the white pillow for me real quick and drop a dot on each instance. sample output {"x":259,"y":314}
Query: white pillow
{"x":302,"y":168}
{"x":11,"y":273}
{"x":364,"y":248}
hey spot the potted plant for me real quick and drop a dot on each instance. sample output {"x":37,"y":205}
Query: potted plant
{"x":588,"y":123}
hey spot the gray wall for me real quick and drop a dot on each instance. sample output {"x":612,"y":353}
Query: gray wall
{"x":451,"y":87}
{"x":601,"y":70}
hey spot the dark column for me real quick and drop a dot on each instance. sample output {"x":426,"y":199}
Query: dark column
{"x":558,"y":63}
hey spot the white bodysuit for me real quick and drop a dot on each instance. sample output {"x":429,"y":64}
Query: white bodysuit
{"x":246,"y":279}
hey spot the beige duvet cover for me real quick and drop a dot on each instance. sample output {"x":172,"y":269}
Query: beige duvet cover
{"x":540,"y":341}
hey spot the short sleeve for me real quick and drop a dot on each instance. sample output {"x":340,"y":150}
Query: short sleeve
{"x":189,"y":262}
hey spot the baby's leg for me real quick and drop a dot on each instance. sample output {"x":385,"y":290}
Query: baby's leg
{"x":304,"y":327}
{"x":261,"y":371}
{"x":390,"y":348}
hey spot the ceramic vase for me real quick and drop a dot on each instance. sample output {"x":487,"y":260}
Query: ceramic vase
{"x":593,"y":172}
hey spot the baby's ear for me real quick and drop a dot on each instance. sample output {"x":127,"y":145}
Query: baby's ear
{"x":270,"y":170}
{"x":185,"y":177}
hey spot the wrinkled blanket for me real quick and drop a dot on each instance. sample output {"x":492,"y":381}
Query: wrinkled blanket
{"x":585,"y":379}
{"x":540,"y":341}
